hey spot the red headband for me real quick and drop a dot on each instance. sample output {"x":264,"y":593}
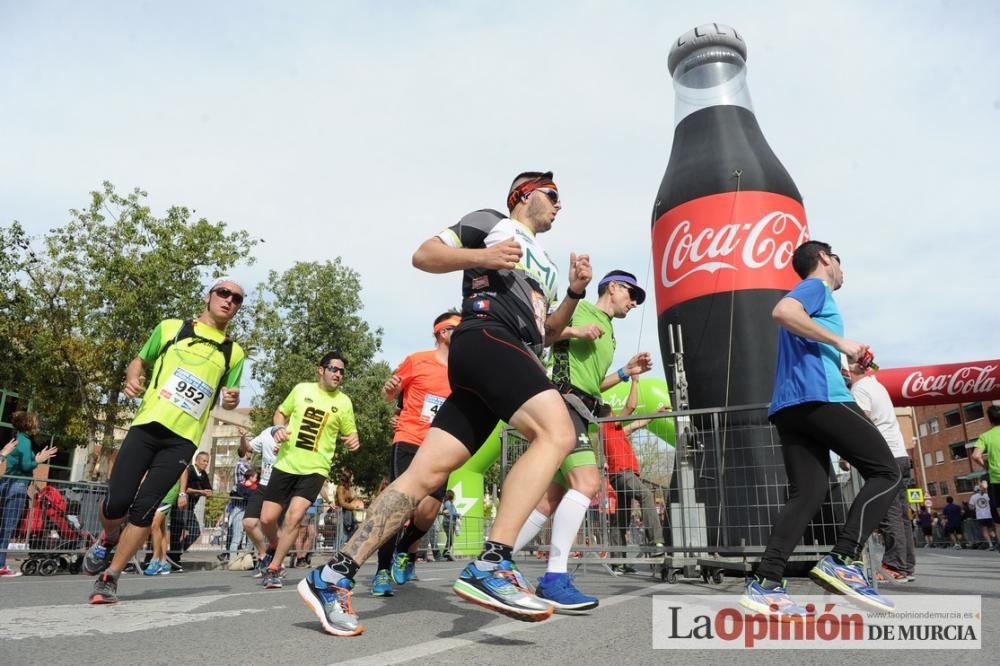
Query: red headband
{"x":526,"y":188}
{"x":450,"y":322}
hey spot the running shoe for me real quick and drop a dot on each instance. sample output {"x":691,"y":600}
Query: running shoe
{"x":520,"y":581}
{"x":152,"y":568}
{"x":272,"y":578}
{"x":850,"y":580}
{"x":105,"y":590}
{"x":98,"y":556}
{"x":497,"y":590}
{"x":558,"y":589}
{"x":399,"y":563}
{"x":165,"y":569}
{"x":262,"y":565}
{"x":331,"y":603}
{"x":7,"y":572}
{"x":759,"y":596}
{"x":892,"y":576}
{"x":411,"y":570}
{"x":381,"y":584}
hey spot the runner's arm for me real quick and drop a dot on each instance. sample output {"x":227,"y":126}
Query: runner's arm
{"x":977,"y":457}
{"x":792,"y":315}
{"x":135,"y":377}
{"x":579,"y":278}
{"x":435,"y":256}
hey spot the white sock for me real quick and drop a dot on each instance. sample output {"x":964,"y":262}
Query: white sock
{"x":566,"y":523}
{"x":532,"y":526}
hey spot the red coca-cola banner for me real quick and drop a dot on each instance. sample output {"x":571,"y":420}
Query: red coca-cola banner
{"x":726,"y":242}
{"x":942,"y":384}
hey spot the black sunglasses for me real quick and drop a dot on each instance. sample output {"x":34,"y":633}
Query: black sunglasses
{"x":224,"y":293}
{"x":335,"y":368}
{"x":553,"y":195}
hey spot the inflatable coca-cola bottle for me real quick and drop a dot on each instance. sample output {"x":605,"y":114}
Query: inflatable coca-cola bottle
{"x":726,"y":221}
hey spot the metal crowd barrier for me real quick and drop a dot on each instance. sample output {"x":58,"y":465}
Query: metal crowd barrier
{"x":701,"y":507}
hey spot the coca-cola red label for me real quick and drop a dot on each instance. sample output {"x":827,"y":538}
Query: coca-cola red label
{"x":942,"y":384}
{"x":726,"y":242}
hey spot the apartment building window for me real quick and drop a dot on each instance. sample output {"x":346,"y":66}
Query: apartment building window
{"x":973,"y":411}
{"x":932,"y":489}
{"x":939,"y":457}
{"x":934,"y":425}
{"x":928,"y":461}
{"x":944,"y":487}
{"x":958,"y":451}
{"x":952,"y":419}
{"x":963,"y":485}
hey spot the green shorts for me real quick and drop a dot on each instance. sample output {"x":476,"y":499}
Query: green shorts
{"x":583,"y":453}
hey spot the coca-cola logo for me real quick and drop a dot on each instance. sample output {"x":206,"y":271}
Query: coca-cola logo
{"x":726,"y":242}
{"x":756,"y":245}
{"x":965,"y":381}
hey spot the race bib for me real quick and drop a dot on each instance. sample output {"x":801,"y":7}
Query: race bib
{"x":188,"y":393}
{"x":432,"y":404}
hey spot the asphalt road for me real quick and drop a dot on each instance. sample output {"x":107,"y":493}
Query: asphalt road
{"x":221,"y":617}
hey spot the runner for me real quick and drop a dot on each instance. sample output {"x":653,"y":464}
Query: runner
{"x":509,"y":286}
{"x":582,"y":358}
{"x":193,"y":364}
{"x":265,"y":445}
{"x":159,"y":565}
{"x":422,"y":381}
{"x":308,"y":424}
{"x":814,"y":414}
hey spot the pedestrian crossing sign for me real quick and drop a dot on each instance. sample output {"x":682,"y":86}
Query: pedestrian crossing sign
{"x":915,"y":495}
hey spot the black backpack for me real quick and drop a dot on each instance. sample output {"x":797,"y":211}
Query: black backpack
{"x":187,"y":331}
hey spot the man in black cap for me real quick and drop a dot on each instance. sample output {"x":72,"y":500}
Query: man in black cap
{"x":581,"y":370}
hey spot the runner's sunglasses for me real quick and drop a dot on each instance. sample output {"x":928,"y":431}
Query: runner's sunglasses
{"x":335,"y":368}
{"x":553,"y":195}
{"x":224,"y":293}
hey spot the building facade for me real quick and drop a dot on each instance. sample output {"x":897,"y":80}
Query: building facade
{"x":942,"y":461}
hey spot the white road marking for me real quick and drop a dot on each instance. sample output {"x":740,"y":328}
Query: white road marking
{"x":423,"y":650}
{"x":121,"y":618}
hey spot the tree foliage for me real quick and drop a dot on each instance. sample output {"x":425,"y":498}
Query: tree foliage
{"x":300,"y":315}
{"x":81,"y":304}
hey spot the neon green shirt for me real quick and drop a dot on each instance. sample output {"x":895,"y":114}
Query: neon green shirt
{"x":585,"y":363}
{"x":183,"y":380}
{"x":989,"y":441}
{"x":316,"y":419}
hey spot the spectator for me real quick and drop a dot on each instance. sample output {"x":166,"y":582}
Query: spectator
{"x":348,"y":503}
{"x":4,"y":452}
{"x":21,"y":462}
{"x":989,"y":443}
{"x":623,"y":470}
{"x":926,"y":524}
{"x":237,"y":509}
{"x":184,"y":526}
{"x":451,"y":518}
{"x":980,"y":501}
{"x":953,"y":522}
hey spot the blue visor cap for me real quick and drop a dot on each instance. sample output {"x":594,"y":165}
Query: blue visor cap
{"x":625,"y":278}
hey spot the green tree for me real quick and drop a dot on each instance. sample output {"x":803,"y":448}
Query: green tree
{"x":95,"y":290}
{"x":303,"y":313}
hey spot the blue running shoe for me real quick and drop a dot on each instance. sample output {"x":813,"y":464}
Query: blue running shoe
{"x":381,"y":584}
{"x":497,"y":590}
{"x":771,"y":600}
{"x":850,"y":580}
{"x":331,"y":604}
{"x":558,"y":589}
{"x":399,"y":564}
{"x":165,"y":569}
{"x":98,"y":556}
{"x":152,"y":568}
{"x":262,"y":565}
{"x":411,"y":570}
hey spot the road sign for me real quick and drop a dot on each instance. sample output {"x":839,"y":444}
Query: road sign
{"x":915,"y":495}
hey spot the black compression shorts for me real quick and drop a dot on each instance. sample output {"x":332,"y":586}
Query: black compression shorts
{"x":402,"y":455}
{"x":491,"y":374}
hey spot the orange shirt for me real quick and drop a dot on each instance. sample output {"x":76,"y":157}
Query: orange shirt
{"x":424,"y":381}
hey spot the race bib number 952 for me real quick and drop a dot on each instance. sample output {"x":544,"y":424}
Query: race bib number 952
{"x":187,"y":392}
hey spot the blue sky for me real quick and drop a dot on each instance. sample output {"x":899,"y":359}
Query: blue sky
{"x":360,"y":129}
